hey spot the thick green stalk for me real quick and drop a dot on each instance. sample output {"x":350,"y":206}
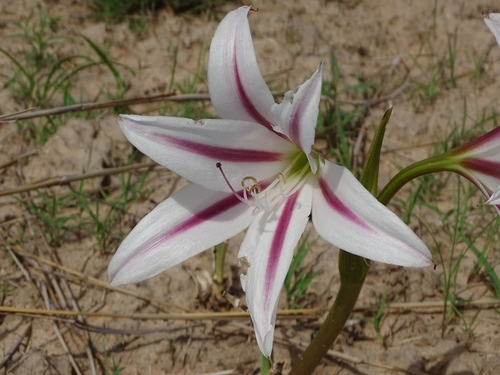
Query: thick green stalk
{"x":265,"y":365}
{"x":352,"y":279}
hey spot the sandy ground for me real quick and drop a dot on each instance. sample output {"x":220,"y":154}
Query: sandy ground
{"x":392,"y":43}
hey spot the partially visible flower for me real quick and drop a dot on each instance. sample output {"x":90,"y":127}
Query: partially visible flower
{"x":492,"y":20}
{"x":495,"y":199}
{"x":492,"y":166}
{"x":254,"y":169}
{"x":479,"y":161}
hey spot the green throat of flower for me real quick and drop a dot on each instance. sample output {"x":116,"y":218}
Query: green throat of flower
{"x":264,"y":195}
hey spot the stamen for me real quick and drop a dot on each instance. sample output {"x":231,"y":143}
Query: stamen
{"x":282,"y":175}
{"x":282,"y":179}
{"x":254,"y":189}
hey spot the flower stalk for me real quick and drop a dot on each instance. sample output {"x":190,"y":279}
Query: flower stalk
{"x":351,"y":283}
{"x":220,"y":256}
{"x":431,"y":165}
{"x":265,"y":365}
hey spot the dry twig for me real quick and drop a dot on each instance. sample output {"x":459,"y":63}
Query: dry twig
{"x":45,"y":295}
{"x":282,"y":314}
{"x":16,"y":345}
{"x":66,"y":179}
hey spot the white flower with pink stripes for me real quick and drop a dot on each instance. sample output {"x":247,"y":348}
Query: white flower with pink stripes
{"x":479,"y":162}
{"x":254,"y":168}
{"x":487,"y":148}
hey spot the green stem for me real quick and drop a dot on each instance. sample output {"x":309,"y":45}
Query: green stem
{"x":220,"y":255}
{"x":265,"y":365}
{"x":353,"y":271}
{"x":439,"y":163}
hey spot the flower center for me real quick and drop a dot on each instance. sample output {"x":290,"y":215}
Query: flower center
{"x":264,"y":195}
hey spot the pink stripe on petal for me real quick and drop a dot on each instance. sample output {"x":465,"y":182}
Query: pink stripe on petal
{"x":209,"y":213}
{"x":277,"y":247}
{"x":300,"y":109}
{"x":295,"y":121}
{"x":242,"y":95}
{"x":486,"y":167}
{"x":337,"y":205}
{"x":478,"y":143}
{"x":220,"y":153}
{"x":198,"y":218}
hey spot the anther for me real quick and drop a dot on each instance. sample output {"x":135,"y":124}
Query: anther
{"x":254,"y":188}
{"x":246,"y":178}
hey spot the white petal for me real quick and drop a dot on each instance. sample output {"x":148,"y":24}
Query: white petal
{"x":236,"y":86}
{"x":298,"y":113}
{"x":483,"y":171}
{"x":479,"y":162}
{"x":486,"y":183}
{"x":189,"y":222}
{"x":486,"y":146}
{"x":494,"y":200}
{"x":495,"y":197}
{"x":193,"y":148}
{"x":493,"y":23}
{"x":348,"y":216}
{"x":268,"y":247}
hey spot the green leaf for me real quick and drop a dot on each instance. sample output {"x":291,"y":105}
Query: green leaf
{"x":369,"y":177}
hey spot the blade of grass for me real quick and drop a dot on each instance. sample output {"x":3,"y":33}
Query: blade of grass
{"x":495,"y":280}
{"x":119,"y":81}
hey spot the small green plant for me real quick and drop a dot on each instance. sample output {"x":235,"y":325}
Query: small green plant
{"x":101,"y":214}
{"x":190,"y":85}
{"x":477,"y":73}
{"x":47,"y":209}
{"x":111,"y":368}
{"x":377,"y":317}
{"x":336,"y":124}
{"x":43,"y":73}
{"x":437,"y":72}
{"x":120,"y":83}
{"x":4,"y":290}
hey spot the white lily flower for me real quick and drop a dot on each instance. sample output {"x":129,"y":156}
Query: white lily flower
{"x":253,"y":169}
{"x":491,"y":188}
{"x":479,"y":161}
